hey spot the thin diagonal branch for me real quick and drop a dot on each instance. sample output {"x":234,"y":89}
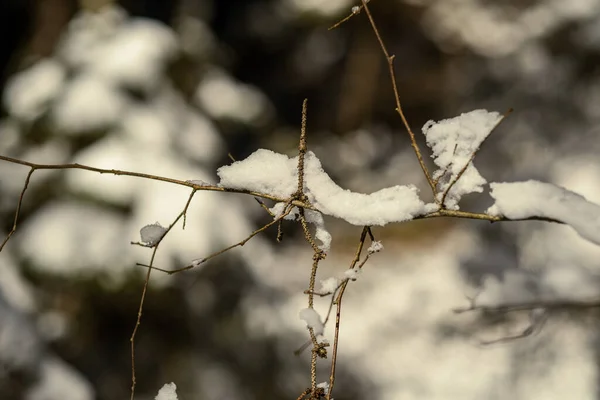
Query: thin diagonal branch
{"x":390,"y":61}
{"x":137,"y":324}
{"x":218,"y":253}
{"x":16,"y":219}
{"x":145,"y":289}
{"x":338,"y":302}
{"x":355,"y":11}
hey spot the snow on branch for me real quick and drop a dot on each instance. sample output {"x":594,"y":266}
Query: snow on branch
{"x":276,"y":174}
{"x":312,"y":217}
{"x":167,"y":392}
{"x":313,"y":320}
{"x":152,"y":234}
{"x":454,"y":142}
{"x":520,"y":200}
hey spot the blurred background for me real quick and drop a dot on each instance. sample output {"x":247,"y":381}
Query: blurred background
{"x":172,"y":87}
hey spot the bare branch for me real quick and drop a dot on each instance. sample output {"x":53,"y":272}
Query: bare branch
{"x":338,"y":302}
{"x":16,"y":219}
{"x":144,"y":290}
{"x":218,"y":253}
{"x":191,"y":185}
{"x":355,"y":11}
{"x":548,"y":304}
{"x":390,"y":61}
{"x":480,"y":216}
{"x":137,"y":324}
{"x":536,"y":323}
{"x":304,"y":394}
{"x":302,"y":152}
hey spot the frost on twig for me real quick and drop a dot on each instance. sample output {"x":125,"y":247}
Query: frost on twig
{"x":454,"y":142}
{"x":520,"y":200}
{"x":276,"y":174}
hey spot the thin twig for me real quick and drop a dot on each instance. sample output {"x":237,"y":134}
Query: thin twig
{"x":304,"y":394}
{"x":480,"y":216}
{"x":16,"y":219}
{"x":536,"y":323}
{"x":317,"y":257}
{"x":190,"y":184}
{"x":302,"y":151}
{"x":218,"y":253}
{"x":352,"y":14}
{"x":549,"y":304}
{"x":295,"y":202}
{"x":144,"y":290}
{"x":338,"y":313}
{"x":464,"y":168}
{"x":390,"y":61}
{"x":137,"y":324}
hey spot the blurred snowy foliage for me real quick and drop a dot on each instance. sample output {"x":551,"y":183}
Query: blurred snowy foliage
{"x":107,"y":97}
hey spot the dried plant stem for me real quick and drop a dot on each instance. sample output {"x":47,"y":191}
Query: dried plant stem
{"x":390,"y":61}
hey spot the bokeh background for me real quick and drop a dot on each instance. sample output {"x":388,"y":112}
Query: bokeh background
{"x":172,"y":87}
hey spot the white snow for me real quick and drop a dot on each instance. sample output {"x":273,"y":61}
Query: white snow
{"x":86,"y":32}
{"x":152,"y":234}
{"x":325,"y":9}
{"x":262,"y":171}
{"x":518,"y":200}
{"x":276,"y":174}
{"x":324,"y":386}
{"x":223,"y":98}
{"x":74,"y":238}
{"x":59,"y":381}
{"x":167,"y":392}
{"x":352,"y":273}
{"x":29,"y":93}
{"x":453,"y":142}
{"x":198,"y":182}
{"x":329,"y":285}
{"x":375,"y":247}
{"x":322,"y":234}
{"x":129,"y":53}
{"x":89,"y":103}
{"x":137,"y":54}
{"x":313,"y":320}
